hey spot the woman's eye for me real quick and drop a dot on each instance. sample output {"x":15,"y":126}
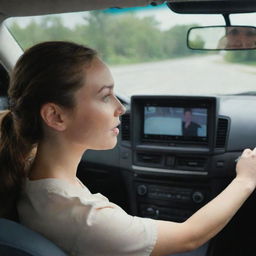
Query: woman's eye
{"x":106,"y":98}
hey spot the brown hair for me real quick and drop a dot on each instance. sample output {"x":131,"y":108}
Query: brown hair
{"x":47,"y":72}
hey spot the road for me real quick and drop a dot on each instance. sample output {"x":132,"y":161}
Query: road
{"x":204,"y":75}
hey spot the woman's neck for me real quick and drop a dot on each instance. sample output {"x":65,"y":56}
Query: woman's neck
{"x":56,"y":159}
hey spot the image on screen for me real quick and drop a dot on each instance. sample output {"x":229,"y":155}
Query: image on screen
{"x":175,"y":121}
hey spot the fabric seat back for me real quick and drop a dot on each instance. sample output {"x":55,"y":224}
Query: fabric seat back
{"x":17,"y":240}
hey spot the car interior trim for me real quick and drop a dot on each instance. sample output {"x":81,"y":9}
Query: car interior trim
{"x":183,"y":172}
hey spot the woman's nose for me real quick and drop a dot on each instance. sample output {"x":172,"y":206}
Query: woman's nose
{"x":120,"y":109}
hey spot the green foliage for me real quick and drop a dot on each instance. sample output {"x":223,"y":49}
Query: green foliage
{"x":175,"y":41}
{"x":248,"y":57}
{"x":119,"y":38}
{"x":198,"y":43}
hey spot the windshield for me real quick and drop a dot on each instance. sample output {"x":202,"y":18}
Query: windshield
{"x":146,"y":49}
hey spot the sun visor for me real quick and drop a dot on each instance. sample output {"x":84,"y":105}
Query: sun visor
{"x":212,"y":7}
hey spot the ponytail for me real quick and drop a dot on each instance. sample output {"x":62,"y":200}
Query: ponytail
{"x":13,"y":154}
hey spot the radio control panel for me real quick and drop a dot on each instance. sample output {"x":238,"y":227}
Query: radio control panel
{"x":169,"y":202}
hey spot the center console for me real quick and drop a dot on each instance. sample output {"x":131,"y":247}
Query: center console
{"x":175,"y":202}
{"x":172,"y":139}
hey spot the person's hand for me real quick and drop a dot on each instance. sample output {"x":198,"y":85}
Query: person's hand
{"x":246,"y":167}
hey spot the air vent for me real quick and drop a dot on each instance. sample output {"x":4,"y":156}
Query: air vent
{"x":149,"y":158}
{"x":221,"y":133}
{"x":191,"y":162}
{"x":125,"y":127}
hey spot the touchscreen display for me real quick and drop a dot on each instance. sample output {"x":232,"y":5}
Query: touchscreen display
{"x":177,"y":122}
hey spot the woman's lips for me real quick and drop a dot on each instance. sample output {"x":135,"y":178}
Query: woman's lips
{"x":115,"y":131}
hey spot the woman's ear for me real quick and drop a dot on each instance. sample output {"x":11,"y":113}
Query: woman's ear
{"x":54,"y":116}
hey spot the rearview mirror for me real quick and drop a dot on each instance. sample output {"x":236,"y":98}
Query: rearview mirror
{"x":222,"y":38}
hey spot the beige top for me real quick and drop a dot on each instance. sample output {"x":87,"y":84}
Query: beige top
{"x":82,"y":223}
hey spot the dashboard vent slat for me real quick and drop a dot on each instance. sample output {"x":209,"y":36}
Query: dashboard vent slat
{"x":191,"y":162}
{"x":221,"y":133}
{"x":125,"y":127}
{"x":149,"y":158}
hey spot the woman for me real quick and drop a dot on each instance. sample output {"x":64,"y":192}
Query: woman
{"x":62,"y":103}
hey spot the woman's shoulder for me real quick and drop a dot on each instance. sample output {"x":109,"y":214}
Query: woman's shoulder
{"x":53,"y":185}
{"x":50,"y":196}
{"x":54,"y":188}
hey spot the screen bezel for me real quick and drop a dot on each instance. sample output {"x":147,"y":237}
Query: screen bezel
{"x":139,"y":102}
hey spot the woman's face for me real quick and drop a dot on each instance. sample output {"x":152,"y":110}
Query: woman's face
{"x":187,"y":116}
{"x":96,"y":115}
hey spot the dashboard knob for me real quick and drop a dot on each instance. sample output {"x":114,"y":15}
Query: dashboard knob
{"x":153,"y":212}
{"x":142,"y":190}
{"x":198,"y":197}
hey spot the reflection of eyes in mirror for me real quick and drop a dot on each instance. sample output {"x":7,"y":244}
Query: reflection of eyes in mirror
{"x":237,"y":31}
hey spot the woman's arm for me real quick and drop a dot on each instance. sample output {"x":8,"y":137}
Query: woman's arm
{"x":210,"y":219}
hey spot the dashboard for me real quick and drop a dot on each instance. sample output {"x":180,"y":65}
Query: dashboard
{"x":148,"y":148}
{"x":161,"y":171}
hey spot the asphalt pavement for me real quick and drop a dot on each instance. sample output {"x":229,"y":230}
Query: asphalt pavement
{"x":203,"y":75}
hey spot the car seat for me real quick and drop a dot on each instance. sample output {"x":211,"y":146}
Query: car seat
{"x":17,"y":240}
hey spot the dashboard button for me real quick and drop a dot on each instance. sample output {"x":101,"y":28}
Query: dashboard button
{"x":142,"y":190}
{"x":198,"y":197}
